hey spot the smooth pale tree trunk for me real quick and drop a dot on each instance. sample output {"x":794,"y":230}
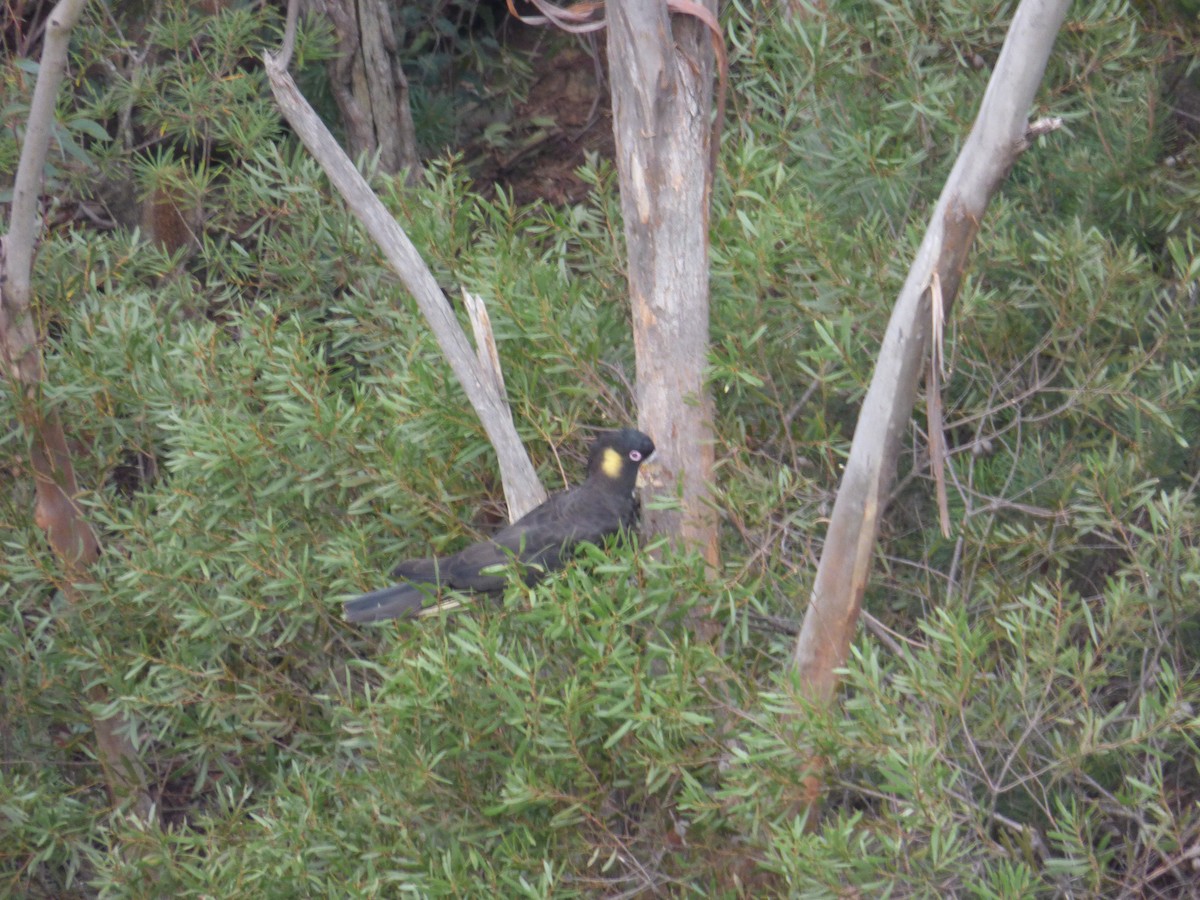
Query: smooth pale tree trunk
{"x":56,"y":512}
{"x":661,"y":68}
{"x":1000,"y":134}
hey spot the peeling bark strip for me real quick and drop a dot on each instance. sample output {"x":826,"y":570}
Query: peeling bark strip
{"x":56,"y":512}
{"x":662,"y":72}
{"x":1000,"y":134}
{"x":589,"y":16}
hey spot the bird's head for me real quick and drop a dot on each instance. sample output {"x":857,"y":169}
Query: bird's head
{"x":617,"y":455}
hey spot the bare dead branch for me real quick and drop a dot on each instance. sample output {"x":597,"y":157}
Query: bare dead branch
{"x":485,"y":340}
{"x":522,"y":489}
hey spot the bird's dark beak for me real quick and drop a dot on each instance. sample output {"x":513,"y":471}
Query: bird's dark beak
{"x":645,"y":470}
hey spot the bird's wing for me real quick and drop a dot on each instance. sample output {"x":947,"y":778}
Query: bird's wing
{"x":469,"y":568}
{"x":566,"y":519}
{"x":537,"y":539}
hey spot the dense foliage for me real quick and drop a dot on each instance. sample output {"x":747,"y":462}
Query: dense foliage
{"x":263,"y":427}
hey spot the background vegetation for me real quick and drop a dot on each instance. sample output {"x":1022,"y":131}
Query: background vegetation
{"x":263,"y":428}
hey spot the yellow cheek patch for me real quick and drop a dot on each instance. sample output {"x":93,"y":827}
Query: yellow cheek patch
{"x":612,"y":464}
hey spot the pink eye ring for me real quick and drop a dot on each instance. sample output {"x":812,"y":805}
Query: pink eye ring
{"x":635,"y":455}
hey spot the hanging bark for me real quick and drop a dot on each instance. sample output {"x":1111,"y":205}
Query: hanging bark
{"x":56,"y":511}
{"x":661,"y":71}
{"x":1000,"y":134}
{"x":369,"y":85}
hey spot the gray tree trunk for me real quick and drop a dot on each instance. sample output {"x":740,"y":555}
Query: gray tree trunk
{"x":369,"y":84}
{"x":661,"y":71}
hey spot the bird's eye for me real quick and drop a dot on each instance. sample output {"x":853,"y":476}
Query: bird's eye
{"x":635,"y":455}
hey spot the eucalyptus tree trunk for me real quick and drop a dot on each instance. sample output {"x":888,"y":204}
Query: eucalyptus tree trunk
{"x":369,"y":85}
{"x":661,"y":69}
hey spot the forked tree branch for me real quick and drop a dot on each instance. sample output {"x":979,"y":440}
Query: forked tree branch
{"x":522,"y":489}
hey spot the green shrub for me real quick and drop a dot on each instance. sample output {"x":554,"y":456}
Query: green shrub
{"x":263,"y":426}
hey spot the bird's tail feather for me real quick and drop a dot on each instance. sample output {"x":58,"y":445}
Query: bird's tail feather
{"x":397,"y":601}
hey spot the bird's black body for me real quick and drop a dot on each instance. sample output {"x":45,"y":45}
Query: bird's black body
{"x":540,"y":540}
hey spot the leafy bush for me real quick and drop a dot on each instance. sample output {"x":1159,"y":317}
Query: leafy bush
{"x":263,"y":427}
